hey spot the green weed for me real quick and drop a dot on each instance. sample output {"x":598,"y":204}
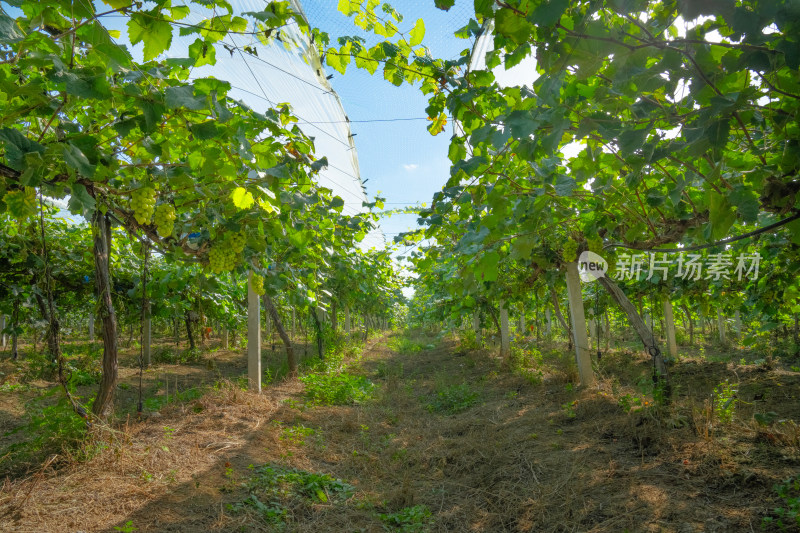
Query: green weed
{"x":453,"y":399}
{"x":469,"y":340}
{"x":389,"y":370}
{"x":527,"y":363}
{"x":14,"y":387}
{"x":410,"y":519}
{"x":404,"y":345}
{"x":569,"y":409}
{"x":127,"y":528}
{"x":296,"y":435}
{"x":724,"y":402}
{"x":53,"y":428}
{"x":629,"y":402}
{"x":282,"y":488}
{"x":155,"y":403}
{"x":169,"y":357}
{"x":786,"y":518}
{"x":337,"y":388}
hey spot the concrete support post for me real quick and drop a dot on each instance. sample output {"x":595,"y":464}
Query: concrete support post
{"x":476,"y":326}
{"x":253,"y":338}
{"x":505,"y":338}
{"x":580,"y":340}
{"x":669,"y":323}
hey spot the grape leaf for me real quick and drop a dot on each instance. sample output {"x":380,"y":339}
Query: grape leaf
{"x":151,"y":29}
{"x":548,"y":13}
{"x":508,"y":23}
{"x":416,"y":35}
{"x":437,"y":124}
{"x":242,"y":198}
{"x":203,"y":53}
{"x":720,"y":215}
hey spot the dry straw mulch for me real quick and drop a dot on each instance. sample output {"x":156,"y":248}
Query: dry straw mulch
{"x":527,"y":456}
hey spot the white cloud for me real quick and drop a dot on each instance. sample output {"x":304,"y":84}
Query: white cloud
{"x":411,"y":168}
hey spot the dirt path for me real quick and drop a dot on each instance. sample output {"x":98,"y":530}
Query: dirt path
{"x":447,"y":441}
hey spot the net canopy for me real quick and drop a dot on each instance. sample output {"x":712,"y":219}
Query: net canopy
{"x":288,"y":70}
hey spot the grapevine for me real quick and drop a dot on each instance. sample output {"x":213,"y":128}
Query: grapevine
{"x":143,"y":202}
{"x":165,"y":219}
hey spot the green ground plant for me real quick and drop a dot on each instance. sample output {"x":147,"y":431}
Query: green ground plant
{"x":404,"y":345}
{"x":283,"y":488}
{"x":414,"y":519}
{"x":296,"y":435}
{"x":127,"y":528}
{"x":527,"y":362}
{"x":337,"y":388}
{"x":53,"y":427}
{"x":453,"y":399}
{"x":155,"y":403}
{"x":786,"y":517}
{"x":468,"y":340}
{"x":724,"y":399}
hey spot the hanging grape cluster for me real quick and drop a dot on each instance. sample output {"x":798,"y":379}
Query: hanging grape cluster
{"x":143,"y":202}
{"x":257,"y":284}
{"x":226,"y":251}
{"x":221,"y":258}
{"x":165,"y":219}
{"x":570,"y":251}
{"x":595,"y":244}
{"x":237,"y":241}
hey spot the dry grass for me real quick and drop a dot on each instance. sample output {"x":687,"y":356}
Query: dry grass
{"x":526,"y":457}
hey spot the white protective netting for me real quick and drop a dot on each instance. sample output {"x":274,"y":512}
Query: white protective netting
{"x":288,"y":71}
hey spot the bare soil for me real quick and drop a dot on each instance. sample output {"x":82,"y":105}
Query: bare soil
{"x":529,"y":455}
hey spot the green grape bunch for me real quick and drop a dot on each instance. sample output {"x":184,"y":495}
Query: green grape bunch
{"x":165,"y":219}
{"x":237,"y":242}
{"x":595,"y":244}
{"x":570,"y":251}
{"x":257,"y":284}
{"x":221,"y":259}
{"x":143,"y":202}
